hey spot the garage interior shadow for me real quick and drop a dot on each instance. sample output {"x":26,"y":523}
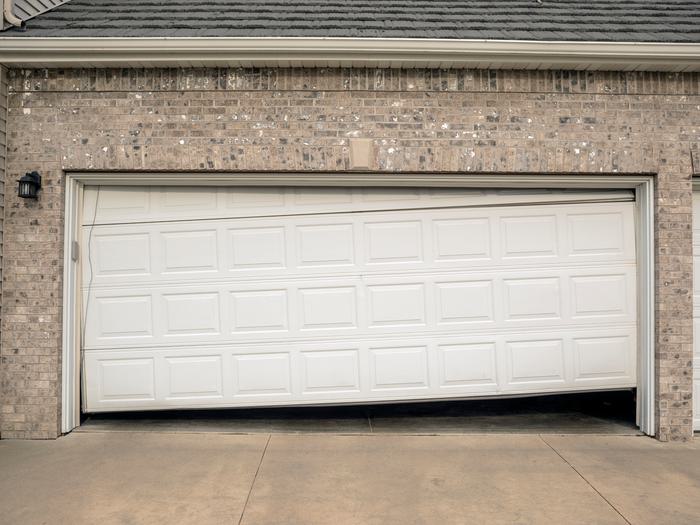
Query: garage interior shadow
{"x":580,"y":413}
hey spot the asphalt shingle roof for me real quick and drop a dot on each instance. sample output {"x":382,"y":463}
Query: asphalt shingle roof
{"x":591,"y":20}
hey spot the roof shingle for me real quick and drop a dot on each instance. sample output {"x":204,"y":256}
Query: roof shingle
{"x":593,"y":20}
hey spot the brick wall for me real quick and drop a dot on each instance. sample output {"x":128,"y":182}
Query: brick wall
{"x":3,"y":154}
{"x":275,"y":119}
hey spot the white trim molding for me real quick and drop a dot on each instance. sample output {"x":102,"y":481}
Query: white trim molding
{"x":26,"y":51}
{"x":642,"y":185}
{"x":71,"y":343}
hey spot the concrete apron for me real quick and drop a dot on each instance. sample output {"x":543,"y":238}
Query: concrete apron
{"x":161,"y":477}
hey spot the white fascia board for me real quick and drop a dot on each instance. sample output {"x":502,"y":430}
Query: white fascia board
{"x":28,"y":51}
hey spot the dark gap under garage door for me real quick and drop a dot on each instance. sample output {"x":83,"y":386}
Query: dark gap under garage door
{"x":585,"y":413}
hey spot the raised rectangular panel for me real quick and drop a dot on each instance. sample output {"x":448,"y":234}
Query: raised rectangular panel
{"x":602,"y":357}
{"x":328,"y":308}
{"x":127,"y":254}
{"x":596,"y":233}
{"x":127,"y":316}
{"x":532,"y":298}
{"x":596,"y":295}
{"x":126,"y":379}
{"x":195,"y":376}
{"x":306,"y":196}
{"x":192,"y":313}
{"x":389,"y":242}
{"x":257,"y":248}
{"x":331,"y":371}
{"x":465,"y":302}
{"x":398,"y":304}
{"x":190,"y":251}
{"x":467,"y":364}
{"x":405,"y":367}
{"x":115,"y":202}
{"x":255,"y":197}
{"x":326,"y":245}
{"x":525,"y":236}
{"x":462,"y":239}
{"x":261,"y":374}
{"x":259,"y":311}
{"x":536,"y":361}
{"x":188,"y":198}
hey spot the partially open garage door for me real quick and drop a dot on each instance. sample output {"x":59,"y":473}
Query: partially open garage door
{"x":205,"y":297}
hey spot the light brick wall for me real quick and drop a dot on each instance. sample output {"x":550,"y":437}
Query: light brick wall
{"x":302,"y":120}
{"x":3,"y":155}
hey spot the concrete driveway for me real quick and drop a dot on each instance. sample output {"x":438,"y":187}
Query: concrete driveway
{"x":172,"y":478}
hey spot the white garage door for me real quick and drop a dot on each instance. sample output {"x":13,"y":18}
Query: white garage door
{"x":252,"y":296}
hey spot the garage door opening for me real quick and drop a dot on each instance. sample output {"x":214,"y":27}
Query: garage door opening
{"x":201,"y":297}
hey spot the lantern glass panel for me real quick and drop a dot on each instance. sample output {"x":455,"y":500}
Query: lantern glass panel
{"x":26,"y":189}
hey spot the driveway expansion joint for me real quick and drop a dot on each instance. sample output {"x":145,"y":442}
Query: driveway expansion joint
{"x":613,"y":507}
{"x":255,"y":477}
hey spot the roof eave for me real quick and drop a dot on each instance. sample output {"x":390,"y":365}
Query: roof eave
{"x":326,"y":52}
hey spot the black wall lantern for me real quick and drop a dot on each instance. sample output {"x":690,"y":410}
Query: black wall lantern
{"x":29,"y":185}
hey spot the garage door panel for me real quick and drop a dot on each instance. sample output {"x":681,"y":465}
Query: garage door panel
{"x":115,"y":316}
{"x":371,"y":242}
{"x":462,"y":239}
{"x":264,"y":374}
{"x":269,"y":296}
{"x":125,"y":255}
{"x":123,"y":380}
{"x":399,"y":368}
{"x":190,"y":251}
{"x":529,"y":235}
{"x":256,"y":248}
{"x":355,"y":306}
{"x":327,"y":371}
{"x":322,"y":245}
{"x":608,"y":295}
{"x":116,"y":204}
{"x":464,"y":301}
{"x":535,"y":361}
{"x":470,"y":365}
{"x":596,"y":233}
{"x":536,"y":298}
{"x":189,"y":314}
{"x":394,"y":241}
{"x":609,"y":357}
{"x":434,"y":367}
{"x":259,"y":311}
{"x":194,"y":377}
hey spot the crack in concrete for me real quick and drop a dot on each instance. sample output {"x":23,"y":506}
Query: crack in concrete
{"x":613,"y":507}
{"x":255,"y":478}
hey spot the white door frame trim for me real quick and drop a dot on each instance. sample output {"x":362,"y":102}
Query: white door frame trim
{"x":696,"y":426}
{"x":643,"y":185}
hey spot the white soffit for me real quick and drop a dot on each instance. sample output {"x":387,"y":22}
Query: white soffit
{"x":346,"y":52}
